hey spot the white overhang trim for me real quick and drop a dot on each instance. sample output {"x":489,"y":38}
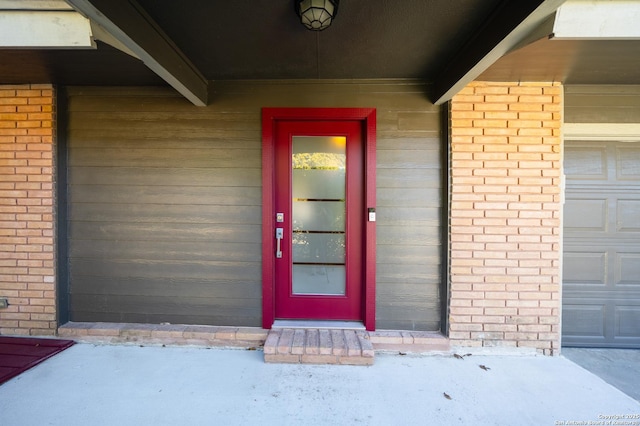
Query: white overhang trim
{"x":625,"y":132}
{"x":34,"y":5}
{"x":598,"y":20}
{"x":29,"y":29}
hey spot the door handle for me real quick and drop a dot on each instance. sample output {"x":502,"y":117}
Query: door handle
{"x":279,"y":236}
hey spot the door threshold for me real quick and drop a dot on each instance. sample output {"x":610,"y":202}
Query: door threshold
{"x":334,"y":325}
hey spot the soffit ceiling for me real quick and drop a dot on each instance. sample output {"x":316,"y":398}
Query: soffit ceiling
{"x":262,"y":39}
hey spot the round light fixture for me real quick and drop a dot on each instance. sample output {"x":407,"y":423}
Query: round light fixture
{"x":316,"y":15}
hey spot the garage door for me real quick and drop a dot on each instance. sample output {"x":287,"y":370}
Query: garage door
{"x":601,"y":273}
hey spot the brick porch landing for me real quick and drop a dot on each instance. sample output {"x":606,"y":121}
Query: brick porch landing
{"x":318,"y":346}
{"x":275,"y":350}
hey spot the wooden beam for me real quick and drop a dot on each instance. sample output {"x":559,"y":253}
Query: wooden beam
{"x":509,"y":24}
{"x":130,"y":25}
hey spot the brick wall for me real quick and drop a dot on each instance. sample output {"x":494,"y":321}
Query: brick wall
{"x":27,"y":269}
{"x":505,"y":216}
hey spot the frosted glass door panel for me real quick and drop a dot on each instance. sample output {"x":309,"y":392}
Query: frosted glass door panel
{"x":318,"y":248}
{"x":318,"y":184}
{"x":325,"y":216}
{"x":311,"y":279}
{"x":318,"y":214}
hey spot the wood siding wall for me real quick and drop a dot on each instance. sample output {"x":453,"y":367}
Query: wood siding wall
{"x":602,"y":104}
{"x":165,"y":201}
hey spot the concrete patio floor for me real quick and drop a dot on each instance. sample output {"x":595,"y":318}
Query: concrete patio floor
{"x":133,"y":385}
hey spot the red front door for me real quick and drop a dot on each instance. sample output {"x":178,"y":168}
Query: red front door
{"x":319,"y":220}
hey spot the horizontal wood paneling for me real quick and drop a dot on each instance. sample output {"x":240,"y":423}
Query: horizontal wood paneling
{"x":409,"y":196}
{"x":168,"y":287}
{"x":165,"y":201}
{"x":162,"y":268}
{"x":148,"y":137}
{"x":602,"y":104}
{"x":149,"y":231}
{"x":399,"y":159}
{"x":191,"y":195}
{"x":164,"y":158}
{"x":196,"y":177}
{"x":165,"y":309}
{"x":164,"y":209}
{"x":166,"y":250}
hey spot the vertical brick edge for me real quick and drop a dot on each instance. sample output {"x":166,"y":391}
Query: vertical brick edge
{"x":505,"y":222}
{"x":27,"y":212}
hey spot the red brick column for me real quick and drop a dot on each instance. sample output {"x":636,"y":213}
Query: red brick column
{"x":27,"y":264}
{"x":506,"y":216}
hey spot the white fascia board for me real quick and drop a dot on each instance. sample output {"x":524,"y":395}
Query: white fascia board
{"x":45,"y":30}
{"x":625,"y":132}
{"x":34,"y":5}
{"x":598,"y":20}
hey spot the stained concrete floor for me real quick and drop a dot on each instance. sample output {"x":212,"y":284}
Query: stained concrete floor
{"x":618,"y":367}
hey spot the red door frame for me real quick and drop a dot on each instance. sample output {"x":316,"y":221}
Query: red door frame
{"x":348,"y":306}
{"x":269,"y":118}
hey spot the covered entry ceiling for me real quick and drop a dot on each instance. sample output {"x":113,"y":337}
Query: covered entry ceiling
{"x":263,"y":39}
{"x":437,"y":41}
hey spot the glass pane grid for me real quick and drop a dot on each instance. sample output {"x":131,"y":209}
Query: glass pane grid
{"x":318,"y":212}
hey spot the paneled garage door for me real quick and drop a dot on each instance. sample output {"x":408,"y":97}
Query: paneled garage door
{"x":601,"y":277}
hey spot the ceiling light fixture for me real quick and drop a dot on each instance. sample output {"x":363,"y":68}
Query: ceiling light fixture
{"x":316,"y":15}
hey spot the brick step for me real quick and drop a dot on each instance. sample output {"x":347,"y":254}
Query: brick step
{"x":318,"y":346}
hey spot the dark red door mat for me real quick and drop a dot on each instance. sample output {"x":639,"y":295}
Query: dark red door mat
{"x":18,"y":354}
